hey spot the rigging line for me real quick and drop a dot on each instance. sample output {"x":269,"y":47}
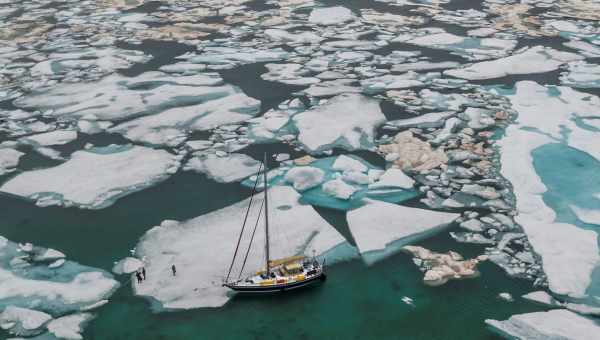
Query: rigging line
{"x":237,"y":247}
{"x":251,"y":239}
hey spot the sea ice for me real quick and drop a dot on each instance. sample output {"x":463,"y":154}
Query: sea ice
{"x":23,"y":321}
{"x":350,"y":121}
{"x":231,"y":168}
{"x":127,"y":265}
{"x":331,"y":15}
{"x":117,"y":97}
{"x":339,"y":189}
{"x":553,"y":324}
{"x":569,"y":254}
{"x":58,"y":137}
{"x":304,"y":177}
{"x":536,"y":59}
{"x":172,"y":126}
{"x":590,"y":216}
{"x":380,"y":228}
{"x":27,"y":282}
{"x":69,"y":327}
{"x":189,"y":245}
{"x":468,"y":47}
{"x":581,"y":74}
{"x":94,"y":178}
{"x":9,"y":159}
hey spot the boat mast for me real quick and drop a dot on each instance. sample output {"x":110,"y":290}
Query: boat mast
{"x":266,"y":216}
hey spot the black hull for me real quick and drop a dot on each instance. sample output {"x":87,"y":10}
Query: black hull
{"x":278,"y":288}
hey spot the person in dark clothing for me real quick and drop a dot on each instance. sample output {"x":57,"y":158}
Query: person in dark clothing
{"x":144,"y":273}
{"x":138,"y":275}
{"x":174,"y":270}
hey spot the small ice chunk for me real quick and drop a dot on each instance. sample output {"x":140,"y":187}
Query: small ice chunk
{"x":393,"y":178}
{"x":304,"y":177}
{"x":127,"y":265}
{"x":339,"y":189}
{"x":348,"y":163}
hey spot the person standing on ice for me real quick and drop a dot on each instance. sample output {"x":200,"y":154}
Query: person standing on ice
{"x":144,"y":273}
{"x":174,"y":270}
{"x":138,"y":275}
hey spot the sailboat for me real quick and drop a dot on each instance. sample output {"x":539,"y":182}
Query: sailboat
{"x":278,"y":275}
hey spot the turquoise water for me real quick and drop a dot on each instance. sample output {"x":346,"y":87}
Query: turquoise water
{"x":356,"y":302}
{"x":573,"y":182}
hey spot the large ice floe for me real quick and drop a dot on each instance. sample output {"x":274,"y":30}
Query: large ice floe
{"x":468,"y":47}
{"x":547,"y":115}
{"x":350,"y":121}
{"x":536,"y":59}
{"x":94,"y":178}
{"x":191,"y":246}
{"x":553,"y":324}
{"x":40,"y":291}
{"x":381,"y":229}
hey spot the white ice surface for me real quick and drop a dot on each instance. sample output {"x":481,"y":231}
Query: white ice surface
{"x":393,"y":178}
{"x":569,"y":253}
{"x":58,"y":137}
{"x":304,"y":177}
{"x":9,"y":159}
{"x":590,"y":216}
{"x":331,"y":15}
{"x":536,"y":59}
{"x":202,"y":248}
{"x":22,"y":320}
{"x":230,"y":168}
{"x":127,"y":265}
{"x":346,"y":121}
{"x":92,"y":179}
{"x":553,"y":325}
{"x":338,"y":189}
{"x":69,"y":327}
{"x":380,"y":228}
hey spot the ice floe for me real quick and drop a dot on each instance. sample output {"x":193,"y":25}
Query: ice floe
{"x":94,"y":178}
{"x":35,"y":295}
{"x":569,"y":254}
{"x":381,"y":229}
{"x":581,"y":74}
{"x":351,"y":120}
{"x":440,"y":268}
{"x":554,"y":324}
{"x":186,"y":244}
{"x":331,"y":15}
{"x":229,"y":168}
{"x":9,"y":159}
{"x":537,"y":59}
{"x":58,"y":137}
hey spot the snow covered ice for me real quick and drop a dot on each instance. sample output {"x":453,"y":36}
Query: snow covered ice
{"x":553,"y":324}
{"x":94,"y":178}
{"x":350,"y":121}
{"x":191,"y":246}
{"x":35,"y":296}
{"x":381,"y":229}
